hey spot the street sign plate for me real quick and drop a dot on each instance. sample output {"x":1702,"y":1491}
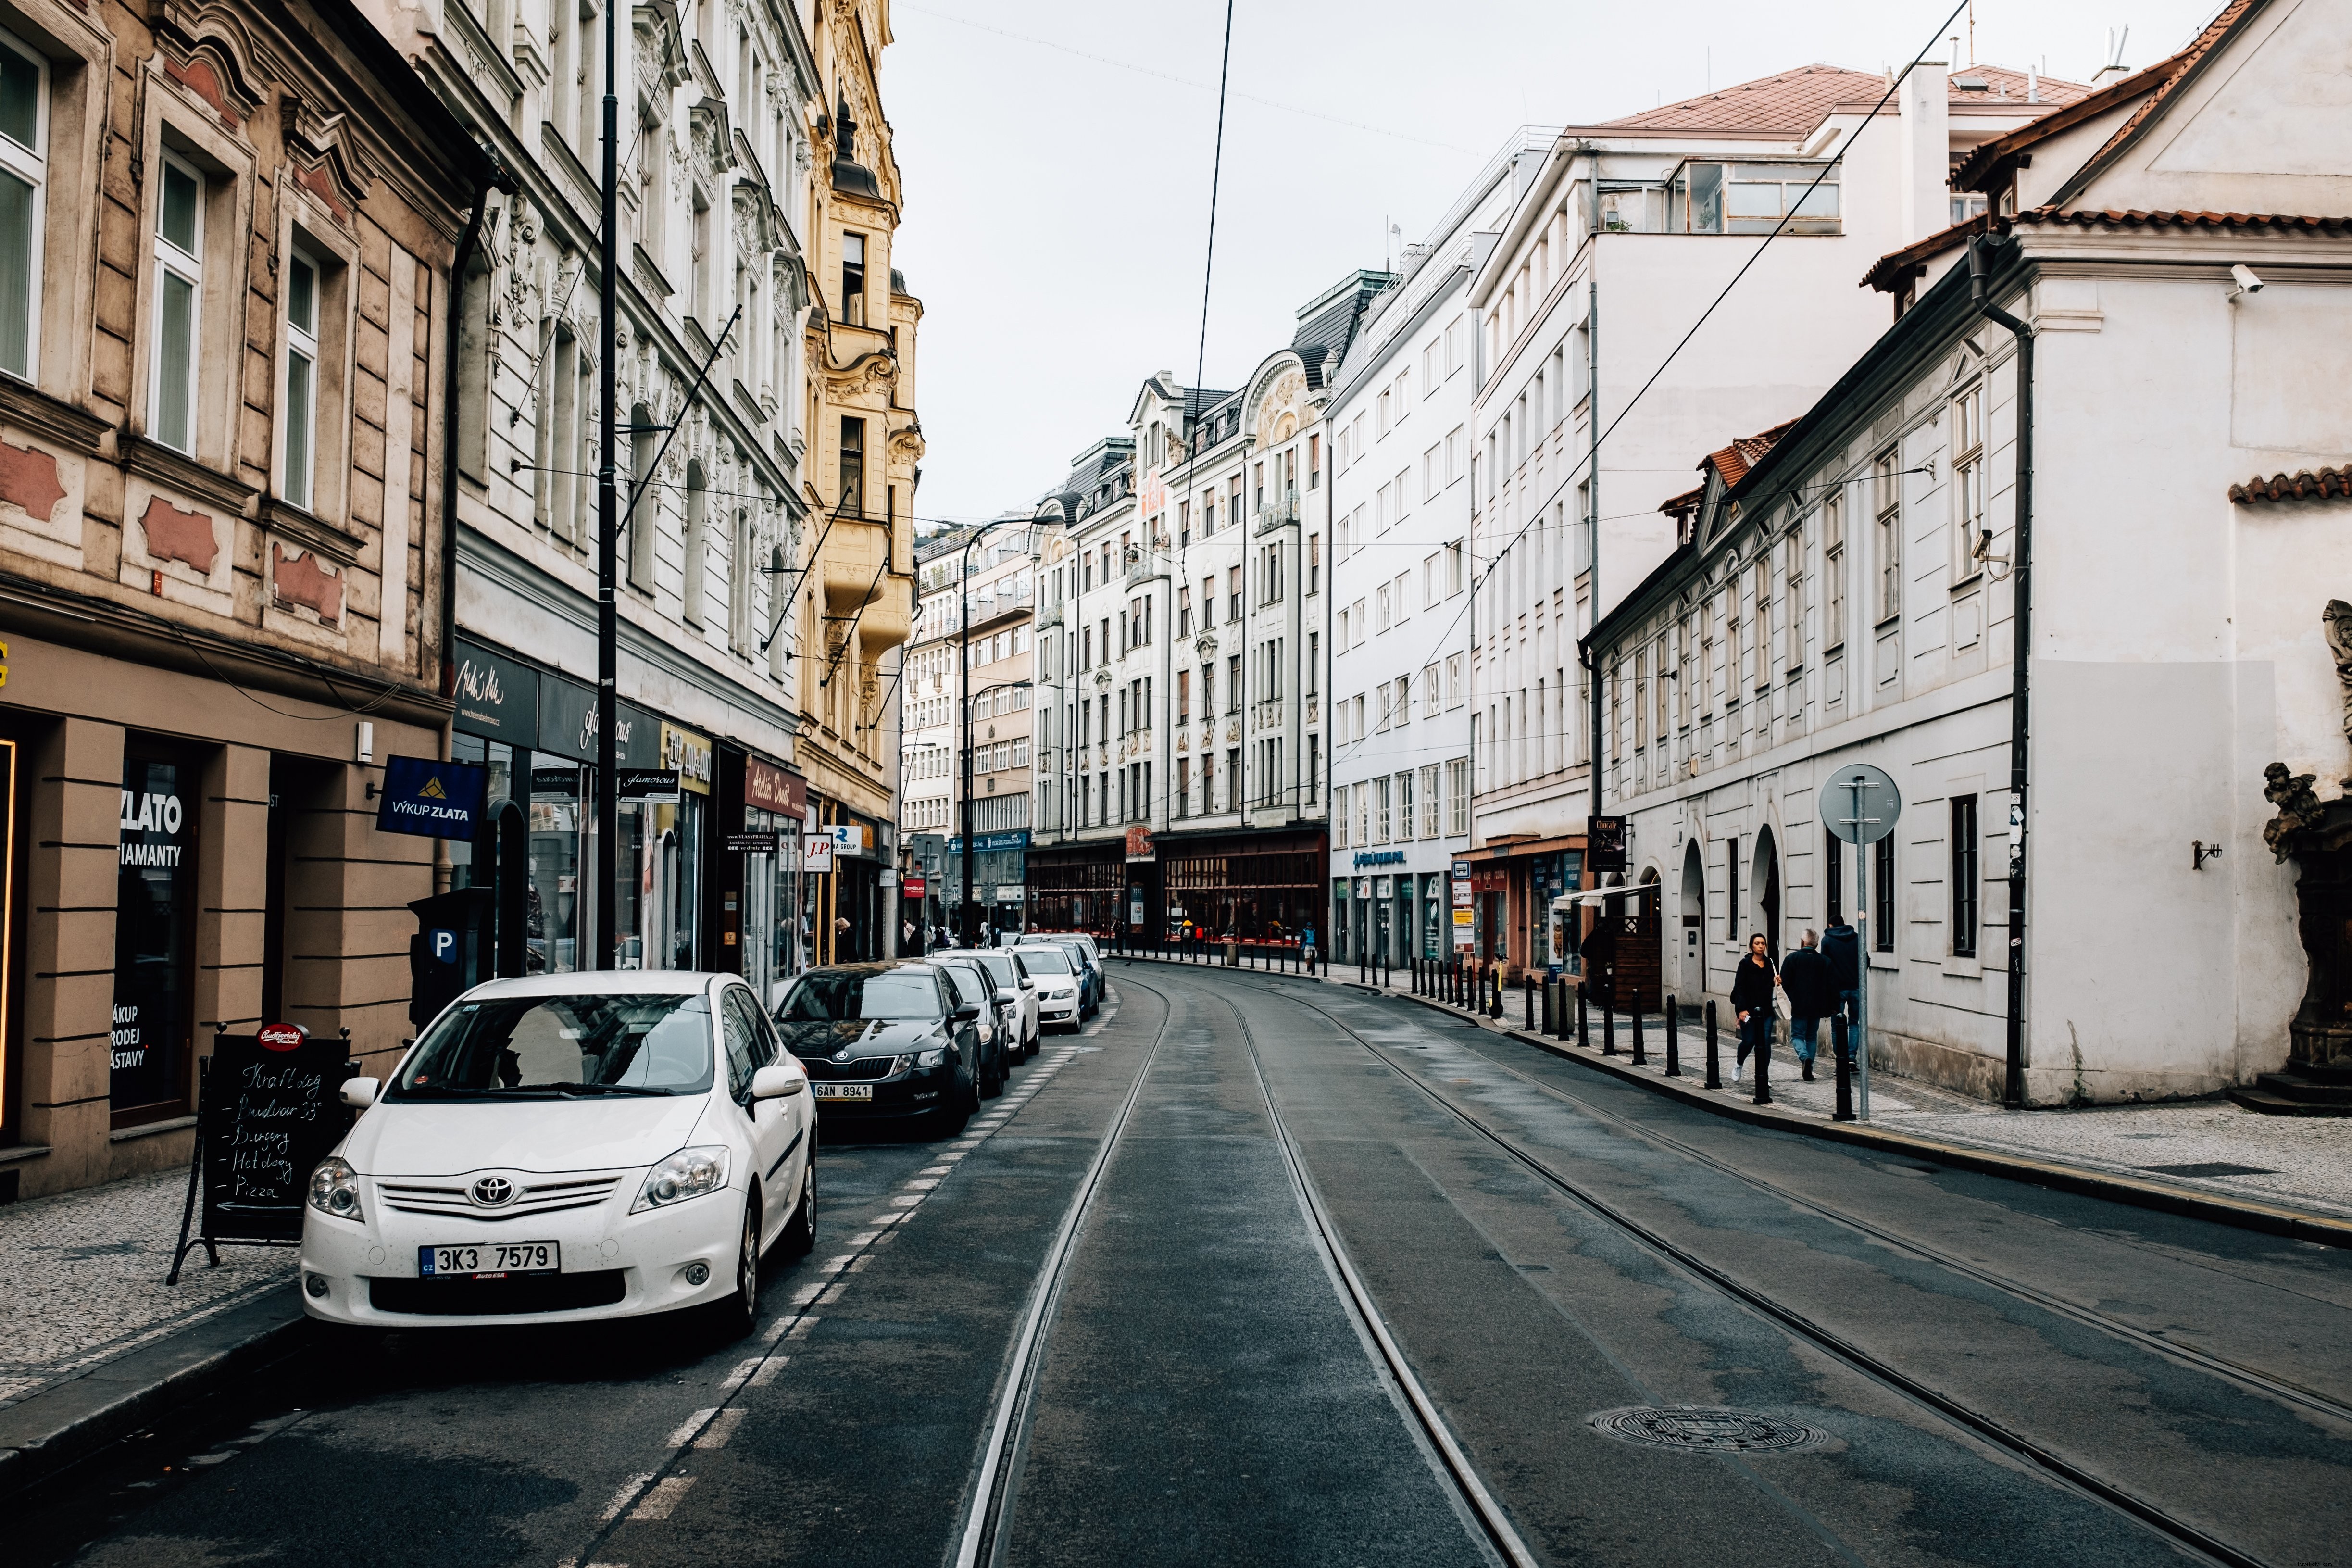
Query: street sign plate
{"x":1859,"y":803}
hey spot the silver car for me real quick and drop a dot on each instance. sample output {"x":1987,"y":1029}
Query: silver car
{"x":1014,"y":987}
{"x":1000,"y":1022}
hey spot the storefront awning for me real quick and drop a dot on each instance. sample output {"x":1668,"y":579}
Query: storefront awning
{"x":1601,"y":895}
{"x":1513,"y":848}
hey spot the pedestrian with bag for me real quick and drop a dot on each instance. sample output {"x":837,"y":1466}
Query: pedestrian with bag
{"x":1805,"y":982}
{"x":1842,"y":950}
{"x":1754,"y":991}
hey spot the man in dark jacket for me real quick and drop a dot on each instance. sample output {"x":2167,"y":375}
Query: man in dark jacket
{"x":1805,"y":981}
{"x":1842,"y":950}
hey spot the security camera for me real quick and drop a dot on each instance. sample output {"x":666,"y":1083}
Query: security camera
{"x":2244,"y":276}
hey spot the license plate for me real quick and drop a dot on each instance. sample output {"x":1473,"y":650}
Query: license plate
{"x":489,"y":1261}
{"x":843,"y":1091}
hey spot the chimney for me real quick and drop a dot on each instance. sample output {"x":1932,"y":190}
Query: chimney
{"x":1927,"y":150}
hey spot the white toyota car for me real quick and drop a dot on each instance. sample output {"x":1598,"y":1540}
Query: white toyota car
{"x":569,"y":1147}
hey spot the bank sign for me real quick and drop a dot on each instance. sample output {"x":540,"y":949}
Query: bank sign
{"x":432,"y":799}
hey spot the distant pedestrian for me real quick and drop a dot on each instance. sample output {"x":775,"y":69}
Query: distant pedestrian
{"x":1751,"y":999}
{"x":1842,"y":950}
{"x":1805,"y":981}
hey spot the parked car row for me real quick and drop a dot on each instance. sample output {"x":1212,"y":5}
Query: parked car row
{"x":571,"y":1147}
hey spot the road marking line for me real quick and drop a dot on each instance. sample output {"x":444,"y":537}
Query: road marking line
{"x":836,"y":1265}
{"x":859,"y":1267}
{"x":760,"y":1378}
{"x":806,"y":1293}
{"x":694,"y":1424}
{"x":724,"y":1428}
{"x":734,"y":1380}
{"x":922,"y":1185}
{"x":776,"y":1331}
{"x":866,"y":1240}
{"x":664,"y":1497}
{"x":831,"y":1295}
{"x":801,"y":1330}
{"x":889,"y":1218}
{"x":624,"y":1497}
{"x":904,"y":1202}
{"x":938,"y":1169}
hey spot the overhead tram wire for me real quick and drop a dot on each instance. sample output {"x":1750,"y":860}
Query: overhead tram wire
{"x":1633,"y":402}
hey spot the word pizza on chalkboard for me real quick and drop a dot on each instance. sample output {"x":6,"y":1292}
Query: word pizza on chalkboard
{"x":269,"y":1109}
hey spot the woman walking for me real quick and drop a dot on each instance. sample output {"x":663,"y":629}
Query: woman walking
{"x":1751,"y":999}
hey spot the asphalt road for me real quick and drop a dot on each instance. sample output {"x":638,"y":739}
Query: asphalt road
{"x":1317,"y":1276}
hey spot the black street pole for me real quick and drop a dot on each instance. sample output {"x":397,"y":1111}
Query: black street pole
{"x":966,"y":916}
{"x":608,"y":528}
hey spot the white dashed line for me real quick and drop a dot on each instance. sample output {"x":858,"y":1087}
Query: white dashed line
{"x":663,"y":1498}
{"x":734,"y":1380}
{"x":922,"y":1184}
{"x":760,"y":1378}
{"x":624,"y":1497}
{"x":801,"y":1330}
{"x":904,"y":1202}
{"x":716,"y":1434}
{"x":694,"y":1424}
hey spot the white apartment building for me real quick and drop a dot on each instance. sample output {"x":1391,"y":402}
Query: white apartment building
{"x":1400,"y":727}
{"x":1190,"y":655}
{"x":1614,"y":249}
{"x":1844,"y":590}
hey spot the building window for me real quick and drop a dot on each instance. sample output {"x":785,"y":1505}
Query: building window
{"x":852,"y":280}
{"x":24,"y":190}
{"x":1457,"y":797}
{"x":1887,"y":505}
{"x":1833,"y":877}
{"x":1339,"y":816}
{"x":853,"y":467}
{"x":1232,"y":594}
{"x":1381,"y":798}
{"x":1881,"y":895}
{"x":1968,"y":480}
{"x":1731,"y":889}
{"x":1233,"y":778}
{"x":302,"y":376}
{"x":1964,"y":875}
{"x":1183,"y":801}
{"x":1834,"y":570}
{"x":1429,"y":801}
{"x":1793,"y":612}
{"x":179,"y":287}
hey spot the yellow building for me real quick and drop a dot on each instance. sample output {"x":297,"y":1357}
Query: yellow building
{"x":857,"y":600}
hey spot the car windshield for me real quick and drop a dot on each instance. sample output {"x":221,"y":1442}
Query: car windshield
{"x":1046,"y":960}
{"x":844,"y":995}
{"x":969,"y":983}
{"x":562,"y":1047}
{"x":1000,"y":968}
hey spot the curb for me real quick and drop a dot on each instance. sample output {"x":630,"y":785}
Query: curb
{"x":2243,"y":1214}
{"x":67,"y":1422}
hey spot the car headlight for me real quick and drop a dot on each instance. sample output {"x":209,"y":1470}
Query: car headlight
{"x":931,"y":1058}
{"x":335,"y":1189}
{"x":689,"y":1174}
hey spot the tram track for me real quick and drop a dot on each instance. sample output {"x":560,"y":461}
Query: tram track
{"x":2183,"y":1535}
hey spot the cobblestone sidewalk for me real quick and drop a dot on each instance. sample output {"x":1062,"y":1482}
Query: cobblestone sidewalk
{"x":85,"y":1272}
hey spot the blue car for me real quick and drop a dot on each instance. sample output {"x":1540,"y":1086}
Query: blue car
{"x":1082,"y":960}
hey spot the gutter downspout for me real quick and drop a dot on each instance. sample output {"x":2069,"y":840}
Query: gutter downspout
{"x":2021,"y":729}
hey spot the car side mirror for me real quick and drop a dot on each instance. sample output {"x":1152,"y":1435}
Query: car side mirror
{"x":359,"y":1093}
{"x":1008,"y":996}
{"x":967,"y":1012}
{"x":778,"y":1081}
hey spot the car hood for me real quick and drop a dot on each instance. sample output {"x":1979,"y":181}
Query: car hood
{"x":859,"y":1037}
{"x":436,"y":1138}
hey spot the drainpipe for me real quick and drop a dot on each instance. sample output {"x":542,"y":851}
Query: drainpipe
{"x":2020,"y":730}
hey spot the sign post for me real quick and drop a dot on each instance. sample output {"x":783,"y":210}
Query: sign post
{"x":1861,"y":804}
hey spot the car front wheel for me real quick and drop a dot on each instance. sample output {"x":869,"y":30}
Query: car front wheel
{"x":800,"y":1231}
{"x":738,"y":1314}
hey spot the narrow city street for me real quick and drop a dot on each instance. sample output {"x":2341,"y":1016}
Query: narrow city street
{"x":1263,"y":1268}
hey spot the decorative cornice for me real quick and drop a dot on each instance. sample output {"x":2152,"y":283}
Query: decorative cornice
{"x":37,"y":411}
{"x":311,"y":532}
{"x":184,"y":473}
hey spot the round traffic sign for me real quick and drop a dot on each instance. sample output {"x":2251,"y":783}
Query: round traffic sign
{"x":1859,"y":803}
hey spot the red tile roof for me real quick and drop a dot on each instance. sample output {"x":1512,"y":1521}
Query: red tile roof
{"x":1888,"y":274}
{"x":1794,"y":101}
{"x":2298,"y":223}
{"x":2303,"y":486}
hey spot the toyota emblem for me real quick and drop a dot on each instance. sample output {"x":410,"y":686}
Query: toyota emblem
{"x":493,"y":1191}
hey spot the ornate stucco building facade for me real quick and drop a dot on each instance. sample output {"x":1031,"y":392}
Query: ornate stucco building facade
{"x":856,"y":604}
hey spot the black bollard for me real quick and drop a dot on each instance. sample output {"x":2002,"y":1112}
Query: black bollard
{"x":1673,"y":1039}
{"x":1495,"y":1012}
{"x":1547,"y":1009}
{"x":1843,"y":1045}
{"x":1609,"y":1026}
{"x":1528,"y":991}
{"x":1563,"y":1012}
{"x":1762,"y":1062}
{"x":1641,"y":1057}
{"x":1583,"y":1020}
{"x":1713,"y":1060}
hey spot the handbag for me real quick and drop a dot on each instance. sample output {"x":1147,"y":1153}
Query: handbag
{"x":1780,"y":1003}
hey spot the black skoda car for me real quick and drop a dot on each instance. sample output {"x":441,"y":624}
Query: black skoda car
{"x":885,"y":1042}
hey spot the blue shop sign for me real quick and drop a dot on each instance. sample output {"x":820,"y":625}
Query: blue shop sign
{"x":983,"y":842}
{"x":432,"y":799}
{"x":1379,"y":857}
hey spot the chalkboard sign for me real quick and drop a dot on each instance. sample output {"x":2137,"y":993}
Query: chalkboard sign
{"x":268,"y":1109}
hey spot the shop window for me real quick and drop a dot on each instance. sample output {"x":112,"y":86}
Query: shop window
{"x":154,"y":936}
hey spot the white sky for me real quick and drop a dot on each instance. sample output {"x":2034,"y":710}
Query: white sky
{"x":1056,"y":155}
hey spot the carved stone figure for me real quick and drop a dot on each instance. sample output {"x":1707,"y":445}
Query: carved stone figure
{"x":2337,"y":620}
{"x":2299,"y":809}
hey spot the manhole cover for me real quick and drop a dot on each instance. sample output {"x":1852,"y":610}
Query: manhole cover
{"x":1704,"y":1430}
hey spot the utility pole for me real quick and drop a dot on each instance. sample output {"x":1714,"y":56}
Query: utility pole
{"x":608,"y":528}
{"x":966,"y":915}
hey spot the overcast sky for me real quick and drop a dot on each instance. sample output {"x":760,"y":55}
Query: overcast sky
{"x":1056,"y":154}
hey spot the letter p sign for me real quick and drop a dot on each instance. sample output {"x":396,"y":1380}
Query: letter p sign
{"x":443,"y":945}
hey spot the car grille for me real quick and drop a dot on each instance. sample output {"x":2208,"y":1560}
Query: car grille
{"x":856,"y":1069}
{"x":485,"y":1297}
{"x":533,"y":1198}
